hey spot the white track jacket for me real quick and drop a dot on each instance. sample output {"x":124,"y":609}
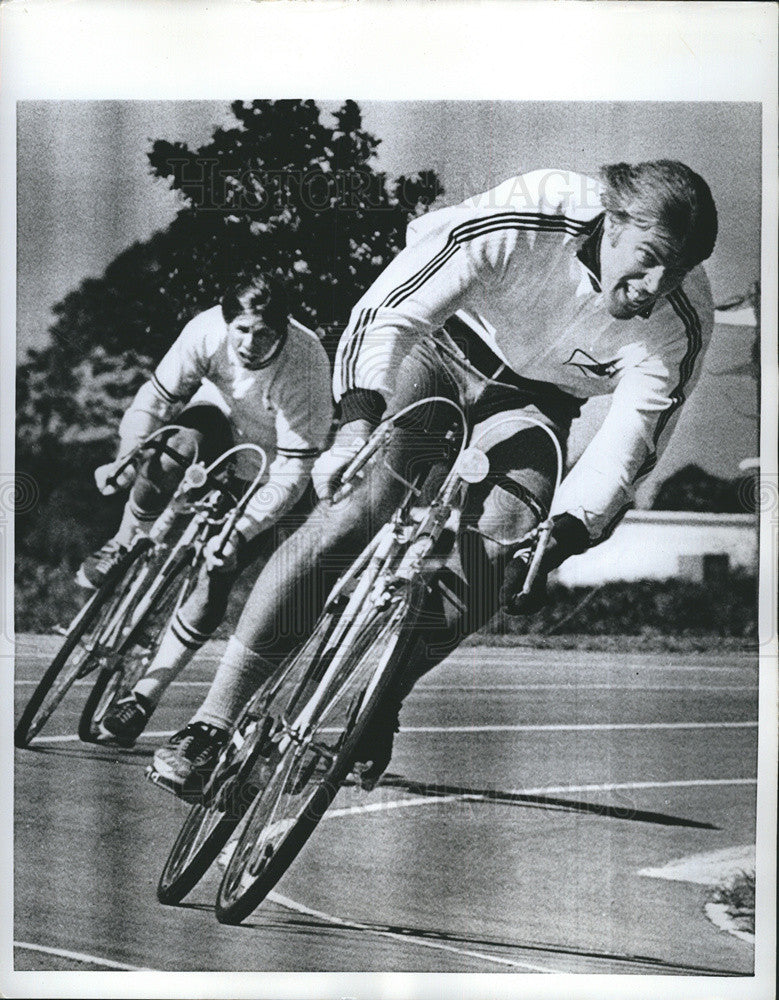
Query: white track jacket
{"x":285,"y":406}
{"x":520,"y":265}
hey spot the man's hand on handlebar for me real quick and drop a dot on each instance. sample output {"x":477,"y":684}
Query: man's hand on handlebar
{"x":112,"y":478}
{"x":326,"y":474}
{"x":569,"y":537}
{"x":222,"y":556}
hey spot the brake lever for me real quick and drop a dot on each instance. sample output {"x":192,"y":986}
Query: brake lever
{"x":542,"y":532}
{"x":356,"y":465}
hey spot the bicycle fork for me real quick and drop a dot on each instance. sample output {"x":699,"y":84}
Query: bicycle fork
{"x":351,"y":620}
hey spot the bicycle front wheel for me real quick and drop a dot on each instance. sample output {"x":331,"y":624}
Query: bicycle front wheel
{"x":241,"y":771}
{"x":139,"y":646}
{"x":236,"y":781}
{"x":312,"y":761}
{"x":79,"y":654}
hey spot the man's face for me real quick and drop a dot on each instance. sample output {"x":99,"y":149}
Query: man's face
{"x":252,"y":338}
{"x":636,"y":269}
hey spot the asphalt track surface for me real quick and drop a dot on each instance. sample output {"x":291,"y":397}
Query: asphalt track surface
{"x":528,"y":792}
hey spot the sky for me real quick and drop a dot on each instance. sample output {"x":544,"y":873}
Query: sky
{"x":85,"y":193}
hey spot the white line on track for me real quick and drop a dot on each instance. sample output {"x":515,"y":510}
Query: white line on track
{"x":584,"y":686}
{"x":489,"y":688}
{"x":73,"y":738}
{"x":578,"y":727}
{"x":429,"y":800}
{"x":519,"y":665}
{"x":565,"y":789}
{"x":561,"y":728}
{"x":372,"y":807}
{"x":78,"y":956}
{"x":89,"y":683}
{"x":291,"y":904}
{"x":478,"y":660}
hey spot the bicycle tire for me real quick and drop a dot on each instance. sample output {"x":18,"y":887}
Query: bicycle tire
{"x":208,"y":826}
{"x":66,"y":668}
{"x":100,"y":698}
{"x":269,"y":842}
{"x":197,"y":845}
{"x":115,"y":681}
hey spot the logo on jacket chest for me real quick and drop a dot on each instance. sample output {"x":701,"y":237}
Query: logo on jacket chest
{"x":590,"y":367}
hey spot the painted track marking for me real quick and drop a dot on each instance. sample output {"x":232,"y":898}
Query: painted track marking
{"x":708,"y":868}
{"x":79,"y":956}
{"x":561,"y":728}
{"x":429,"y":800}
{"x":291,"y":904}
{"x":74,"y":738}
{"x":578,"y":727}
{"x":372,"y":807}
{"x":466,"y":688}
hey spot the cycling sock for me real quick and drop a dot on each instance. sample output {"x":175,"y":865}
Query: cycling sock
{"x":240,"y":673}
{"x":134,"y":521}
{"x":178,"y":646}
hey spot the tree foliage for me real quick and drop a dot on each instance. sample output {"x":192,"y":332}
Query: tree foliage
{"x":281,"y":191}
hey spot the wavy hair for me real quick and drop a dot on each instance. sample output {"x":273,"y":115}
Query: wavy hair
{"x":257,"y":294}
{"x":668,"y":197}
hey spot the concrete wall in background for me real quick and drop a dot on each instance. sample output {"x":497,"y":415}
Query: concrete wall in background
{"x":660,"y":544}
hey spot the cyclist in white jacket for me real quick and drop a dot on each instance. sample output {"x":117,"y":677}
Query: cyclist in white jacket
{"x":243,"y":371}
{"x":545,"y":291}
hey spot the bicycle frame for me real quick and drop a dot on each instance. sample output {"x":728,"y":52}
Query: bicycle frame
{"x":131,"y":610}
{"x":383,"y":548}
{"x":374,"y":560}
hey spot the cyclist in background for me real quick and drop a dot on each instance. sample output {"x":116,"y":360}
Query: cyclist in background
{"x":243,"y":371}
{"x":528,"y":299}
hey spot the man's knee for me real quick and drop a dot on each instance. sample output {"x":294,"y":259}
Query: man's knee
{"x":181,"y":449}
{"x":506,"y":516}
{"x":205,"y":608}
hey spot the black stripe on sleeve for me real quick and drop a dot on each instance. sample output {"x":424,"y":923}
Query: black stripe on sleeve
{"x":685,"y":310}
{"x":460,"y":235}
{"x":692,"y":325}
{"x":298,"y":452}
{"x":608,"y":531}
{"x":165,"y":393}
{"x":352,"y":349}
{"x":519,"y":221}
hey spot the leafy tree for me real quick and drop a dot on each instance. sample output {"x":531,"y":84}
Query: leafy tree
{"x":279,"y":192}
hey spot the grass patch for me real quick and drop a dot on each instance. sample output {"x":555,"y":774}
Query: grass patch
{"x":648,"y":641}
{"x":667,"y":615}
{"x":737,"y":895}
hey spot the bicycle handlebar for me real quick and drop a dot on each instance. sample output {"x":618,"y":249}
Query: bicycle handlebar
{"x":381,"y":434}
{"x":197,"y":475}
{"x":243,"y":503}
{"x":132,"y":456}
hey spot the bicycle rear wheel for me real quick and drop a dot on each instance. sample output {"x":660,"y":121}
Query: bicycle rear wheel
{"x":242,"y":770}
{"x":80,"y":653}
{"x":139,"y":647}
{"x":309,"y":770}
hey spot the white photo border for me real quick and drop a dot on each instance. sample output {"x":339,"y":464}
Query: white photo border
{"x":331,"y":49}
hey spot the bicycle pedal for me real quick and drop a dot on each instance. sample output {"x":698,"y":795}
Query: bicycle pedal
{"x":156,"y":779}
{"x":192,"y":796}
